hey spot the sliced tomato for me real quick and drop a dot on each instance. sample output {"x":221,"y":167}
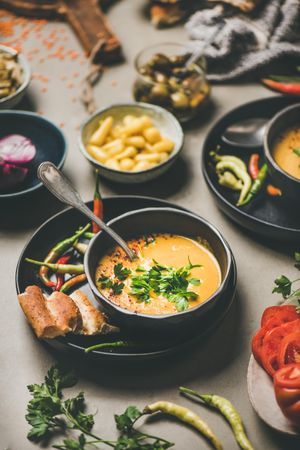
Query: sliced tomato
{"x":289,"y":351}
{"x":270,"y":346}
{"x":284,"y":313}
{"x":287,"y":391}
{"x":258,"y":338}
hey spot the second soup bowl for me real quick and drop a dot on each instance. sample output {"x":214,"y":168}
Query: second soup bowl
{"x":160,"y":220}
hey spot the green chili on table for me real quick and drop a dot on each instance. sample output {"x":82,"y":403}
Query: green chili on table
{"x":59,"y":249}
{"x":187,"y":416}
{"x":59,"y":268}
{"x":228,"y":411}
{"x":256,"y":186}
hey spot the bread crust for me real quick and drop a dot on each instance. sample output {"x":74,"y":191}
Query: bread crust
{"x":34,"y":307}
{"x":65,"y":312}
{"x":93,"y":321}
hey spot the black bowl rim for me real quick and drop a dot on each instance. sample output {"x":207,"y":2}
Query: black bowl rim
{"x":268,"y":152}
{"x":147,"y":106}
{"x":126,"y":312}
{"x":52,"y":126}
{"x":230,"y":206}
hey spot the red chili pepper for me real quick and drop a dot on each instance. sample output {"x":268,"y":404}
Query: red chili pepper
{"x":98,"y":204}
{"x":273,"y":191}
{"x":60,"y":277}
{"x":253,"y":165}
{"x":285,"y":88}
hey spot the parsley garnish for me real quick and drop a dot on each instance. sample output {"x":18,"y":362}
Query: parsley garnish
{"x":170,"y":282}
{"x":283,"y":285}
{"x":121,"y":272}
{"x":296,"y":151}
{"x":49,"y":414}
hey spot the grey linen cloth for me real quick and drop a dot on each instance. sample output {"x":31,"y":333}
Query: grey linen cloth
{"x":247,"y":42}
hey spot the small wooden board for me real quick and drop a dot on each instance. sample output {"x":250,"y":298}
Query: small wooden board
{"x":84,"y":16}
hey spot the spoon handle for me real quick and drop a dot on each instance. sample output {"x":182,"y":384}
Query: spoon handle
{"x":59,"y":185}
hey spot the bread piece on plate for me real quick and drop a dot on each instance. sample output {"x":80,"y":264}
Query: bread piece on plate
{"x":65,"y":312}
{"x":34,"y":307}
{"x":93,"y":321}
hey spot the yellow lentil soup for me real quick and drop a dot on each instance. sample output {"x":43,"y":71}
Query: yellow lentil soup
{"x":171,"y":274}
{"x":286,"y":152}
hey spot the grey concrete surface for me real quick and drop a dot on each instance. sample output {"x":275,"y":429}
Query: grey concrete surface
{"x":219,"y":364}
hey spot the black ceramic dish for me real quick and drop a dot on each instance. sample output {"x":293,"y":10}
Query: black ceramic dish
{"x":61,"y":225}
{"x":159,"y":220}
{"x":266,"y":216}
{"x":286,"y":119}
{"x":49,"y":142}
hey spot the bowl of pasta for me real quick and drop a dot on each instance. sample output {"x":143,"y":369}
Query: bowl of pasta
{"x":132,"y":142}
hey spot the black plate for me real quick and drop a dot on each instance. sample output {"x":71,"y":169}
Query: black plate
{"x":49,"y":142}
{"x":266,"y":215}
{"x":62,"y":225}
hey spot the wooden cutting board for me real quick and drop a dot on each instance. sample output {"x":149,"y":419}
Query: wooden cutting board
{"x":84,"y":16}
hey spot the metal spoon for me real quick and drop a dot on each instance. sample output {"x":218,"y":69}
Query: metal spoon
{"x":60,"y":186}
{"x":247,"y":133}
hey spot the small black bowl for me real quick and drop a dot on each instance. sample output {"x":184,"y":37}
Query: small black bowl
{"x":159,"y":220}
{"x":287,"y":118}
{"x":49,"y":142}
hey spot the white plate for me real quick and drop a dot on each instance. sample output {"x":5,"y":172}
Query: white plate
{"x":262,"y":398}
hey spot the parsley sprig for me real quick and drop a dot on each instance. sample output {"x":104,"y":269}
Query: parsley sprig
{"x":283,"y":285}
{"x":115,"y":284}
{"x":167,"y":281}
{"x":48,"y":413}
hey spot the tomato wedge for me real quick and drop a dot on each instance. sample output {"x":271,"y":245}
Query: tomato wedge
{"x":287,"y":391}
{"x":289,"y":351}
{"x":270,"y":346}
{"x":284,"y":313}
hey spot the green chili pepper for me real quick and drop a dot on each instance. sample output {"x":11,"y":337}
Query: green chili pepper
{"x":187,"y":416}
{"x":108,"y":345}
{"x":80,"y":247}
{"x":71,"y":282}
{"x":228,"y":411}
{"x":240,"y":174}
{"x":59,"y":268}
{"x":88,"y":235}
{"x":256,"y":186}
{"x":227,"y":179}
{"x":59,"y":249}
{"x":231,"y":158}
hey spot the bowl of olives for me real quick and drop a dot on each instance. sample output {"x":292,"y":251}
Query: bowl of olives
{"x":166,"y":78}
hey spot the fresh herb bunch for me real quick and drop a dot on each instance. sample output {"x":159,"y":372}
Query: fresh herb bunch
{"x":168,"y":281}
{"x":48,"y":413}
{"x":283,"y":285}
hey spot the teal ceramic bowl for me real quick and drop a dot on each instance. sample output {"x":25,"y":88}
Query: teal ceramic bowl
{"x":12,"y":100}
{"x":162,"y":119}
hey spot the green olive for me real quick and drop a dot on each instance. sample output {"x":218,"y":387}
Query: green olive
{"x":160,"y":91}
{"x":179,"y":100}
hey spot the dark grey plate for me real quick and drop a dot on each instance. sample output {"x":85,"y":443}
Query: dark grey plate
{"x":266,"y":215}
{"x":60,"y":226}
{"x":49,"y":142}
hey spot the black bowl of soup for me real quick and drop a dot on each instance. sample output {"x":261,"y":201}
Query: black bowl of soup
{"x":282,"y":152}
{"x":182,"y":270}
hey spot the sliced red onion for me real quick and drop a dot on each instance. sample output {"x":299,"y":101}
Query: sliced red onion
{"x":17,"y":149}
{"x":11,"y":175}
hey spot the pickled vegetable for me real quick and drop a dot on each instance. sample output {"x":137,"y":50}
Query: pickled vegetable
{"x":10,"y":74}
{"x":166,"y":81}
